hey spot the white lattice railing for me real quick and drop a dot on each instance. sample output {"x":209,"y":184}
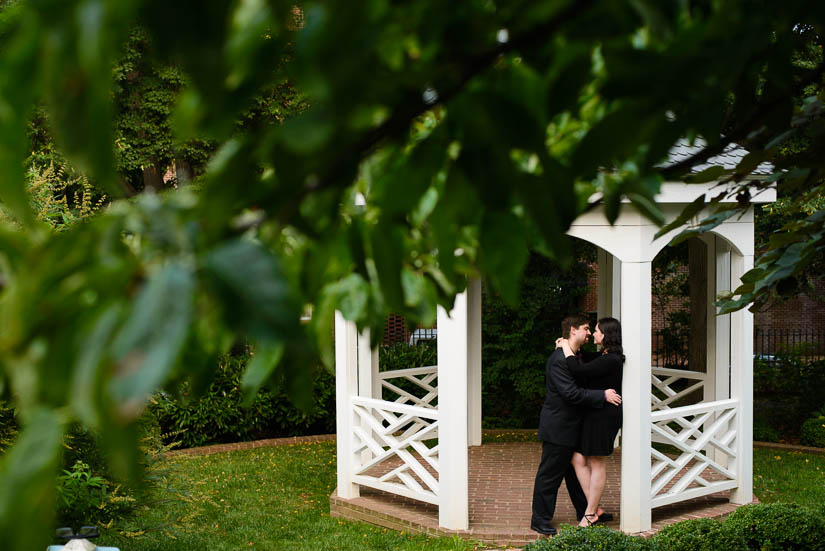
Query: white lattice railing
{"x":664,"y":381}
{"x":694,"y":431}
{"x":390,"y":439}
{"x":422,"y":377}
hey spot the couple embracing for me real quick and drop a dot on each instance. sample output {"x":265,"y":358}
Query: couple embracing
{"x":580,"y":418}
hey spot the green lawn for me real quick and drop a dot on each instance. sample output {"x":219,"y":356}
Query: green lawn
{"x":789,"y":477}
{"x":268,"y":498}
{"x":278,"y":498}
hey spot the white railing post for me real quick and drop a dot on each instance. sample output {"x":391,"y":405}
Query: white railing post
{"x":636,"y":437}
{"x":346,"y":387}
{"x":367,"y":372}
{"x":742,"y":385}
{"x":376,"y":377}
{"x":474,"y":362}
{"x":453,"y":509}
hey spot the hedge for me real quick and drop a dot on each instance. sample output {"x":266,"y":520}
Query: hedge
{"x":218,"y":416}
{"x":779,"y":527}
{"x":593,"y":538}
{"x":765,"y":527}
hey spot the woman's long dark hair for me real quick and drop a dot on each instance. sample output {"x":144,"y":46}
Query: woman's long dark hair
{"x":612,"y":330}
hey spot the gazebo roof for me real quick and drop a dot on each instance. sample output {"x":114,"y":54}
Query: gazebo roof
{"x":729,"y":159}
{"x":684,"y":193}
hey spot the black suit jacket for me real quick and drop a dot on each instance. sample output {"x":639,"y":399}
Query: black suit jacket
{"x":562,"y":412}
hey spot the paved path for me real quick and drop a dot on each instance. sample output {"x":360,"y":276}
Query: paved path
{"x":501,"y":488}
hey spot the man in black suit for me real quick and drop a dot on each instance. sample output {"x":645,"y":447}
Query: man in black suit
{"x":559,"y":428}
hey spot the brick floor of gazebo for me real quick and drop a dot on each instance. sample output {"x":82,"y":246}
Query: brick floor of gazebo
{"x":501,"y":487}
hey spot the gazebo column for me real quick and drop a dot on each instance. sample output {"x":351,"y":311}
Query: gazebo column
{"x":717,"y":383}
{"x":609,"y":288}
{"x":609,"y":285}
{"x":636,"y":328}
{"x":474,"y":362}
{"x":453,"y":461}
{"x":723,"y":339}
{"x":346,"y":386}
{"x":741,"y":327}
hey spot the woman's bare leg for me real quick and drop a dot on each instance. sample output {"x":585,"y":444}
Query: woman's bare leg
{"x":598,"y":478}
{"x":582,"y":472}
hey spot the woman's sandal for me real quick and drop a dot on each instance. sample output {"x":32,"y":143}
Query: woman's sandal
{"x":589,"y":522}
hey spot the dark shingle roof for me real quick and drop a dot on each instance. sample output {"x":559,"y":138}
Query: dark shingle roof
{"x":728,"y":159}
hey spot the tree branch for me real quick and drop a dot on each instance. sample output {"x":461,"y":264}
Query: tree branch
{"x":759,"y":113}
{"x":470,"y":68}
{"x":414,"y":105}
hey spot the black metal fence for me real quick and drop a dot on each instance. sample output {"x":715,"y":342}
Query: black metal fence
{"x":806,"y":342}
{"x":671,"y":350}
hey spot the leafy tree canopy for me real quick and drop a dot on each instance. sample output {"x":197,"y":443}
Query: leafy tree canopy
{"x":474,"y":131}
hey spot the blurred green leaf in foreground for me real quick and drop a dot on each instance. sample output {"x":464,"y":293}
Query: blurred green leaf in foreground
{"x":437,"y":142}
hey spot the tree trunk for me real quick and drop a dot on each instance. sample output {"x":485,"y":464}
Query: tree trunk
{"x":153,"y":177}
{"x":698,"y":278}
{"x":183,"y":171}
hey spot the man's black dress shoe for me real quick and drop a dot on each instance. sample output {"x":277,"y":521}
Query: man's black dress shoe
{"x":543,"y":530}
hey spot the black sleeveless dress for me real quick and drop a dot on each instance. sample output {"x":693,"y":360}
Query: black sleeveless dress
{"x":600,"y":425}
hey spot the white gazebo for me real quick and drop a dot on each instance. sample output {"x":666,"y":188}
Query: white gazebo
{"x":426,"y":445}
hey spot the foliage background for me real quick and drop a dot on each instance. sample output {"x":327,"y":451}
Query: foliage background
{"x":516,"y":341}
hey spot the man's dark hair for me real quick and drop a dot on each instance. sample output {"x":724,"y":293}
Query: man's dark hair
{"x":573,"y":320}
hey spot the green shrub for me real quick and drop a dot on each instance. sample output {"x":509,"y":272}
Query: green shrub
{"x":787,"y":390}
{"x":85,"y":493}
{"x":778,"y":527}
{"x":763,"y":431}
{"x":699,"y":535}
{"x":218,"y":416}
{"x":89,"y":494}
{"x":8,"y":426}
{"x":595,"y":538}
{"x":813,"y":431}
{"x":402,"y":355}
{"x":81,"y":445}
{"x":86,"y":498}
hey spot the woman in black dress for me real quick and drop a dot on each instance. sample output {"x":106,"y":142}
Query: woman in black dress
{"x":601,"y":371}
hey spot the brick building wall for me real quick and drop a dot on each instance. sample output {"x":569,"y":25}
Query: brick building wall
{"x":799,"y":312}
{"x":590,"y":302}
{"x":395,"y":330}
{"x":787,"y":325}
